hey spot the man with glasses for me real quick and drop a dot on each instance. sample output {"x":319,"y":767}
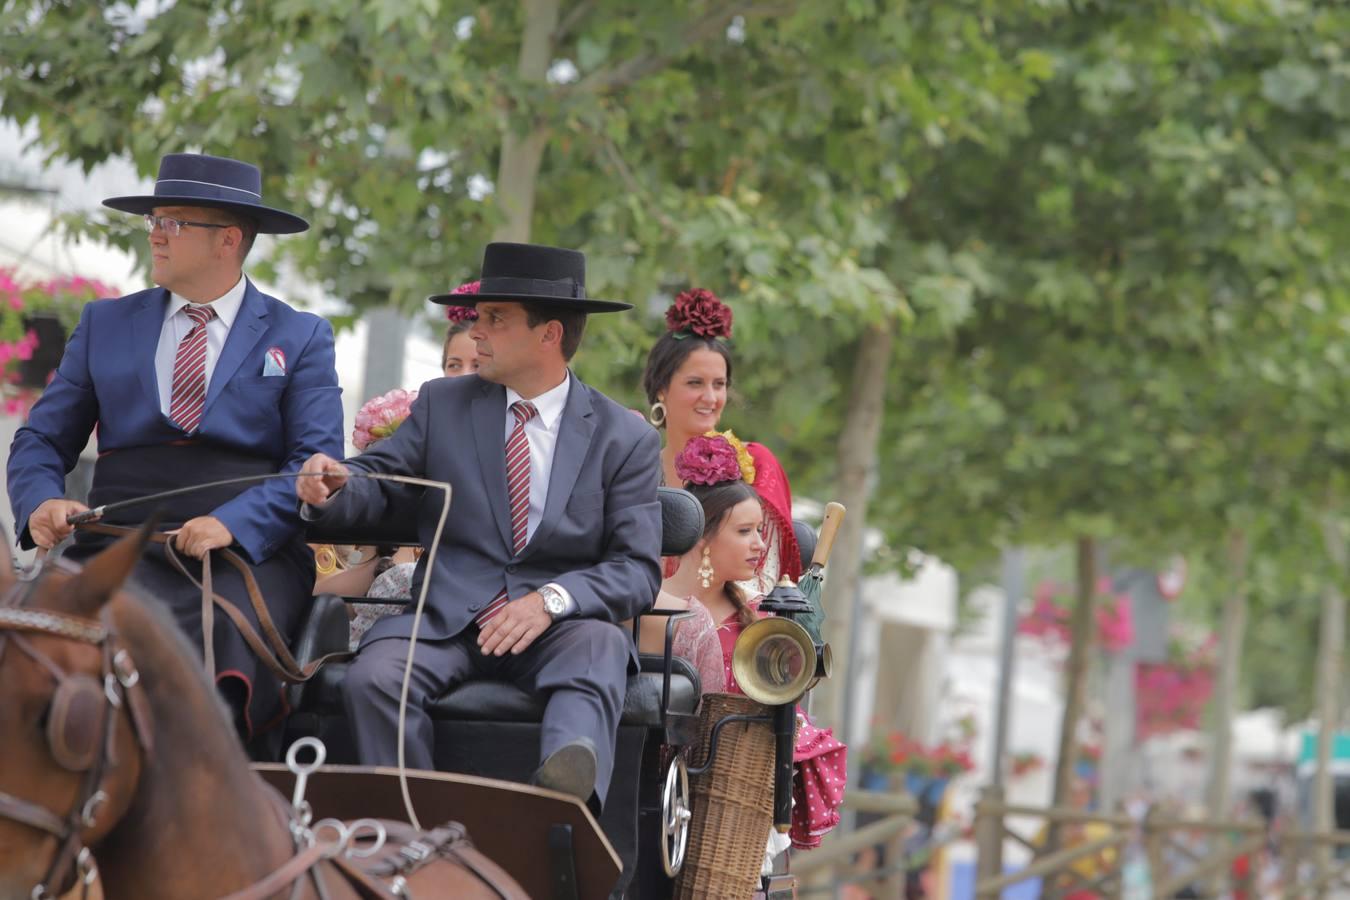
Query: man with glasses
{"x":202,"y":379}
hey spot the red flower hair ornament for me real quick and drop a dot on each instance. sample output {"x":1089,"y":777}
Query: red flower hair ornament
{"x":698,"y":311}
{"x":463,"y":313}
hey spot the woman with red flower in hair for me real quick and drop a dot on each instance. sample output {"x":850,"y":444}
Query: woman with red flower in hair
{"x":687,"y":378}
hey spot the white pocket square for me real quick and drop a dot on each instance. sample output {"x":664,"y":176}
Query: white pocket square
{"x":274,"y":363}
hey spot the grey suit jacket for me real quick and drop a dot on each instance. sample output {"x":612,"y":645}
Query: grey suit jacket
{"x":600,"y":535}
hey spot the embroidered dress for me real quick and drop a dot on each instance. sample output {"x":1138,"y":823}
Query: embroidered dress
{"x":696,"y":640}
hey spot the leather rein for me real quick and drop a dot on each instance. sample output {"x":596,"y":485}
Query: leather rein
{"x":72,"y":860}
{"x":270,"y":647}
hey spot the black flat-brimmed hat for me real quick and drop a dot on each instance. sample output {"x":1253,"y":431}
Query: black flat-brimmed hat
{"x":533,"y":273}
{"x":195,"y":179}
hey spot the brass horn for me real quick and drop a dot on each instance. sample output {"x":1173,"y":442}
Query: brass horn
{"x":774,"y":661}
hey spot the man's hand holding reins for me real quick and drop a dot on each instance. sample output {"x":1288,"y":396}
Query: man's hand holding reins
{"x":514,"y":628}
{"x":201,"y":535}
{"x":48,"y":523}
{"x":314,"y":490}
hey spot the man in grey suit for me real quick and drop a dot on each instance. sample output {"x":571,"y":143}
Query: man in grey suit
{"x":553,"y":538}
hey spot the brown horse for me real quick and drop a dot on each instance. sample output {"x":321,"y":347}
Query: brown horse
{"x":111,"y":739}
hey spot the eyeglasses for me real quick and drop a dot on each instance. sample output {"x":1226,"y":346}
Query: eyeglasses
{"x":172,"y":227}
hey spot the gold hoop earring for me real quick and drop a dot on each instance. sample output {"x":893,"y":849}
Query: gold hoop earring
{"x":658,"y":414}
{"x":705,"y":568}
{"x":325,"y":559}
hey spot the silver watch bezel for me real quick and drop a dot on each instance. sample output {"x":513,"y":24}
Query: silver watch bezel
{"x":555,"y":604}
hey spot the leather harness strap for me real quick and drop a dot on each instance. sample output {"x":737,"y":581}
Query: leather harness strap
{"x":294,"y":868}
{"x":272,"y":652}
{"x":39,"y":817}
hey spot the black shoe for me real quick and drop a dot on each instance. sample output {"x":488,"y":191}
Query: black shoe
{"x":569,"y":770}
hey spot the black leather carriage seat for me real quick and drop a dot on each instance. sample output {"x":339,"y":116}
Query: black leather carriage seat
{"x":496,"y":701}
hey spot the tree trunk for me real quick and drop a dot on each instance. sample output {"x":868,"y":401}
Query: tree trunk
{"x":522,"y":154}
{"x":386,"y":345}
{"x":1331,"y":640}
{"x":857,"y":454}
{"x":1232,"y":632}
{"x":1075,"y":678}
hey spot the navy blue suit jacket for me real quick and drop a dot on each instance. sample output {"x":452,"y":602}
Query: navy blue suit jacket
{"x":107,"y":379}
{"x":600,"y":533}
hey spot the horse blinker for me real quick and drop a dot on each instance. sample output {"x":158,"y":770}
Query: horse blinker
{"x":74,"y":723}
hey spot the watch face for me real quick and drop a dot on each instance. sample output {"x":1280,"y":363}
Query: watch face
{"x":553,"y":602}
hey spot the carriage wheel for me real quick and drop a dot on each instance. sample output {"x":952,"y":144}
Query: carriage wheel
{"x":675,"y":815}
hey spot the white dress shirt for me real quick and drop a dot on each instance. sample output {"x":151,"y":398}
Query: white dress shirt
{"x":542,"y":433}
{"x":176,"y":326}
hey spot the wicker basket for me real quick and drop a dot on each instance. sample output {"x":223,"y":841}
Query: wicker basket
{"x":732,"y":804}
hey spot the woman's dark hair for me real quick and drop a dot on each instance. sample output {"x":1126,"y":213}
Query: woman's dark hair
{"x":717,"y":501}
{"x":454,"y":329}
{"x":670,"y":352}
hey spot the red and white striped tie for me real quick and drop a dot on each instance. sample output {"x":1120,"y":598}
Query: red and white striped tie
{"x":188,"y":395}
{"x":517,"y":493}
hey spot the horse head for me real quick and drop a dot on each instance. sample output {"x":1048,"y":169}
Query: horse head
{"x":72,"y":723}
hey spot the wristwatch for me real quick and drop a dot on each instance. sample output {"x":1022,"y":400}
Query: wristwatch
{"x":555,"y":604}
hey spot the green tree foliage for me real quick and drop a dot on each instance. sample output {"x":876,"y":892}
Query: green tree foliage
{"x":1108,"y":232}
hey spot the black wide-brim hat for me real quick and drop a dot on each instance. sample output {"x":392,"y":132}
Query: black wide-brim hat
{"x":195,"y":179}
{"x":533,"y":273}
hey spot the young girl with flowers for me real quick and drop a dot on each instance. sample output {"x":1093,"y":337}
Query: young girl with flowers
{"x":687,"y":378}
{"x":705,"y":580}
{"x":708,"y":581}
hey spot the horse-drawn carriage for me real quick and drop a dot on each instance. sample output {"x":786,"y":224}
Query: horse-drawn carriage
{"x":487,"y":746}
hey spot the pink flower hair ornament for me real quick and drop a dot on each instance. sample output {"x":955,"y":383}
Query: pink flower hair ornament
{"x":698,"y":311}
{"x":381,"y":416}
{"x":463,"y":313}
{"x":713,"y":458}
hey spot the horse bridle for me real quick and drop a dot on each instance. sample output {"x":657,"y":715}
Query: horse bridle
{"x":119,"y":676}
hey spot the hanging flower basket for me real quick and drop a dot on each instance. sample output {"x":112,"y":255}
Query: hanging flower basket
{"x":35,"y":319}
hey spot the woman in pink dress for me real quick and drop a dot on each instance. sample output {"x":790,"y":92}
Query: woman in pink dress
{"x":687,"y":378}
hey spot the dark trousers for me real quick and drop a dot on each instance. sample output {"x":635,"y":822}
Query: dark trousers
{"x":580,"y":665}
